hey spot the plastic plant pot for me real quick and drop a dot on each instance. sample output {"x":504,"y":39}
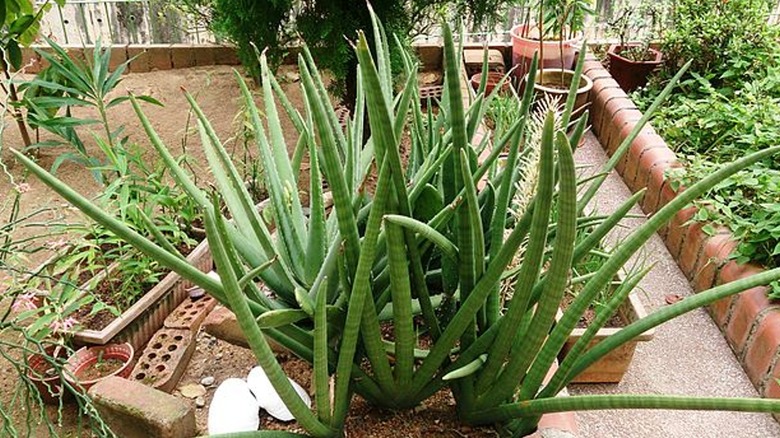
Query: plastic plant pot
{"x":81,"y":368}
{"x":630,"y":74}
{"x":49,"y":386}
{"x":493,"y":78}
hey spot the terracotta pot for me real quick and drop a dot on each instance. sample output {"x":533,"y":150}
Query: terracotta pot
{"x":87,"y":357}
{"x":556,"y":83}
{"x":612,"y":367}
{"x":493,"y":79}
{"x":49,"y":387}
{"x":523,"y":49}
{"x":629,"y":74}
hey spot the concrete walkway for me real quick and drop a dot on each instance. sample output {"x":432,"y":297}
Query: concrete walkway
{"x":688,"y":355}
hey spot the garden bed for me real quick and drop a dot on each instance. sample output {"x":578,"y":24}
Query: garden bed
{"x":749,"y":321}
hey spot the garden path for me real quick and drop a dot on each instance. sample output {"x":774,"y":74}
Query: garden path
{"x":688,"y":356}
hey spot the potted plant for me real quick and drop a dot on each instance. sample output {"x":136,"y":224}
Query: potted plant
{"x":554,"y":34}
{"x":630,"y":61}
{"x":563,"y":18}
{"x":89,"y":365}
{"x":129,"y":294}
{"x":42,"y":370}
{"x":46,"y":320}
{"x":612,"y":367}
{"x":492,"y":80}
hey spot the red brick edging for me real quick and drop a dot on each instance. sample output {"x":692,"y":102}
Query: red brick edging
{"x":749,"y":321}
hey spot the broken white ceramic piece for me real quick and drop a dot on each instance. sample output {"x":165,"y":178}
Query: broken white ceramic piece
{"x":233,"y":408}
{"x":268,"y":398}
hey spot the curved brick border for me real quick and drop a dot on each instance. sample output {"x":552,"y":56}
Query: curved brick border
{"x":749,"y":321}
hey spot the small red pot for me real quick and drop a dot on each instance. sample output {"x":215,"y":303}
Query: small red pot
{"x":493,"y":79}
{"x":87,"y":357}
{"x":629,"y":74}
{"x":50,"y":388}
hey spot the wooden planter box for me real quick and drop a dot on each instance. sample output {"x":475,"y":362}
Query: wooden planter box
{"x":138,"y":324}
{"x":612,"y":367}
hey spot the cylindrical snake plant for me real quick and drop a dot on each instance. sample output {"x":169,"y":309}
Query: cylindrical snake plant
{"x":423,"y":251}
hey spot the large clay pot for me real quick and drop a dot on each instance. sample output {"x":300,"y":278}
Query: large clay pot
{"x":493,"y":78}
{"x":49,"y":385}
{"x":556,"y":83}
{"x":525,"y":44}
{"x":87,"y":357}
{"x":629,"y":74}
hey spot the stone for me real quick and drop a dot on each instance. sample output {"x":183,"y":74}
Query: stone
{"x":193,"y":390}
{"x":207,"y":381}
{"x":134,"y":410}
{"x":200,"y":402}
{"x":222,"y":324}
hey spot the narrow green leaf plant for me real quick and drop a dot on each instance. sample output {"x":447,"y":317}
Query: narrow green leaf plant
{"x":419,"y":245}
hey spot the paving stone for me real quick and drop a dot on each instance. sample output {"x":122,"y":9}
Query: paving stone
{"x":222,"y":324}
{"x":134,"y":410}
{"x":472,"y":58}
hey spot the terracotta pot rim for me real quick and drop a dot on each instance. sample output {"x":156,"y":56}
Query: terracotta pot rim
{"x":613,"y":53}
{"x":72,"y":366}
{"x":514,"y":33}
{"x":580,"y":90}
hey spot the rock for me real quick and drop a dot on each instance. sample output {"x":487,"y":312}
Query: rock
{"x":290,"y":76}
{"x":233,"y":408}
{"x":222,"y":324}
{"x":207,"y":381}
{"x":672,"y":298}
{"x":193,"y":390}
{"x":200,"y":402}
{"x":134,"y":410}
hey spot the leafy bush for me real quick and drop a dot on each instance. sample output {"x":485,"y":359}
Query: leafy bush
{"x":725,"y":39}
{"x":729,"y":105}
{"x":327,"y":27}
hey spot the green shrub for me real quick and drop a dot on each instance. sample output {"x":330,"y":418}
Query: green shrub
{"x":328,"y":27}
{"x":724,"y":39}
{"x":729,"y":105}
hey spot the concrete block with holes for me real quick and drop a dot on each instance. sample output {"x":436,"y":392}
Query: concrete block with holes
{"x":190,"y":313}
{"x":163,"y":361}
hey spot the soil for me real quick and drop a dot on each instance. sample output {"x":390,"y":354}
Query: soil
{"x":99,"y":369}
{"x":587,"y":318}
{"x":554,"y":81}
{"x":633,"y":54}
{"x":218,"y":359}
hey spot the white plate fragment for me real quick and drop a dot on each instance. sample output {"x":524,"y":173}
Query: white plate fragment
{"x":233,"y":408}
{"x":269,"y":399}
